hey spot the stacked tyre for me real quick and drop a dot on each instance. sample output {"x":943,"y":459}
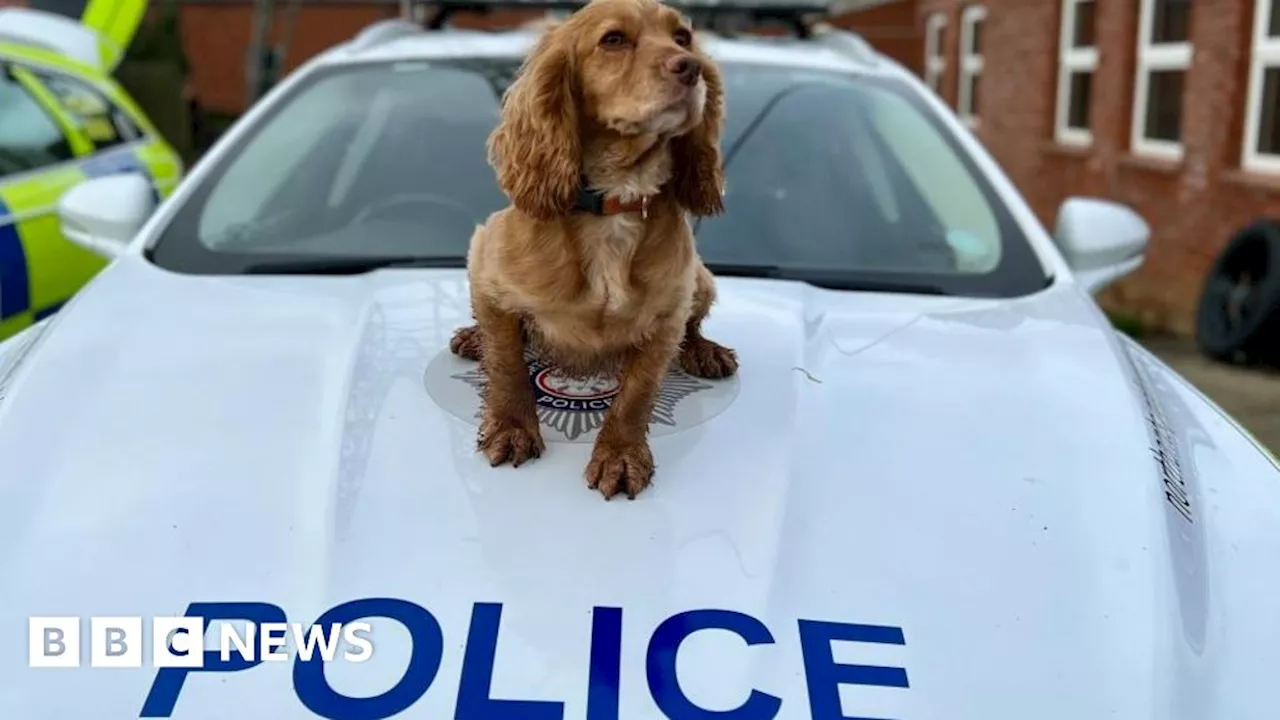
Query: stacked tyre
{"x":1238,"y":319}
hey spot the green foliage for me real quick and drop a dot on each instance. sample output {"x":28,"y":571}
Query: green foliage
{"x":1129,"y":324}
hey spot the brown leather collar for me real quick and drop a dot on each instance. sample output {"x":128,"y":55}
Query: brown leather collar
{"x":596,"y":203}
{"x":614,"y":206}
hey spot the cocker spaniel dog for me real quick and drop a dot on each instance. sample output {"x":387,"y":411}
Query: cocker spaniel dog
{"x":608,"y":141}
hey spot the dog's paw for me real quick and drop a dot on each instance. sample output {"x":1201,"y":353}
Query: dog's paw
{"x":504,"y":441}
{"x":620,"y":468}
{"x":465,"y":342}
{"x":703,"y":358}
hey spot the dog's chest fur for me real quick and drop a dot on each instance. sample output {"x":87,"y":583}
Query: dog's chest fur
{"x":609,"y":246}
{"x":609,"y":243}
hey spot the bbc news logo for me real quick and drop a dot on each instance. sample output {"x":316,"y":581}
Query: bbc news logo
{"x":179,"y":642}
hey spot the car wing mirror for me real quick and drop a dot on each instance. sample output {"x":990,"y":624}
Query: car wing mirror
{"x":1101,"y":240}
{"x":104,"y":214}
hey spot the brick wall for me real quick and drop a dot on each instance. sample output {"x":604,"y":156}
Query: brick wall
{"x":1193,"y":205}
{"x":216,"y":37}
{"x":892,"y":28}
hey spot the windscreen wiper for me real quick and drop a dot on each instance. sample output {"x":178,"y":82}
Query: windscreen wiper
{"x":904,"y":287}
{"x":356,"y":265}
{"x":832,"y":280}
{"x":746,"y":271}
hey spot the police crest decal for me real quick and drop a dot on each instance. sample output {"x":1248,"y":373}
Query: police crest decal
{"x":572,"y":409}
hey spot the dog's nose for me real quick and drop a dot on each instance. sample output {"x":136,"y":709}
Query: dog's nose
{"x":685,"y":68}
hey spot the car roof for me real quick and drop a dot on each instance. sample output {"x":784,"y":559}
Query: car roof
{"x":33,"y":55}
{"x":828,"y":48}
{"x":50,"y":39}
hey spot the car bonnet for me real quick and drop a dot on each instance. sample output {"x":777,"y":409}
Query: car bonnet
{"x":900,"y":508}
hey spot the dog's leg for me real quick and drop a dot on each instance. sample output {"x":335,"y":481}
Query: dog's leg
{"x":621,"y":460}
{"x":466,"y":343}
{"x":699,"y":356}
{"x":509,"y":428}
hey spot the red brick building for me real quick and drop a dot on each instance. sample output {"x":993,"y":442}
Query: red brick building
{"x":216,"y":34}
{"x":1169,"y":106}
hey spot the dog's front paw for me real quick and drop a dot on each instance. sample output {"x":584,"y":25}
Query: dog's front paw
{"x":465,"y":342}
{"x":618,"y":468}
{"x":703,"y":358}
{"x":503,"y":440}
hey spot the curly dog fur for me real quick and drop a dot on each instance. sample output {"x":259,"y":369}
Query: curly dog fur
{"x":621,"y":97}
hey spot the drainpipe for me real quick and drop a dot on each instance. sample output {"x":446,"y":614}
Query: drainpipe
{"x":266,"y":62}
{"x":257,"y":61}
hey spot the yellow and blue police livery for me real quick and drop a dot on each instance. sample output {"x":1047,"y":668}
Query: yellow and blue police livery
{"x":63,"y":119}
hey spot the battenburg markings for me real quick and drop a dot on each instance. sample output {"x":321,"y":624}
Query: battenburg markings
{"x":48,"y":311}
{"x":15,"y":284}
{"x":124,"y":160}
{"x":15,"y":289}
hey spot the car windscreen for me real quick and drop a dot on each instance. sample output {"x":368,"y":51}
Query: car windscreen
{"x":835,"y":178}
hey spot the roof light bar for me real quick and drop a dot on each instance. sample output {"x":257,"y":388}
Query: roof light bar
{"x":709,"y":14}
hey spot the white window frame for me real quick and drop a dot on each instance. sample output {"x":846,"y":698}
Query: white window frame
{"x":1266,"y":56}
{"x":1072,"y":60}
{"x":935,"y":63}
{"x":971,"y":63}
{"x":1153,"y":57}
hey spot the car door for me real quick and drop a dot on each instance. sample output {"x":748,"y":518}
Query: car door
{"x":121,"y":138}
{"x":39,"y":148}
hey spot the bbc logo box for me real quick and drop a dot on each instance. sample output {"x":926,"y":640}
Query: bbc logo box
{"x":57,"y":642}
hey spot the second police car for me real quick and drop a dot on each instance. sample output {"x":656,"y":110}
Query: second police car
{"x":63,"y":119}
{"x":941,"y":486}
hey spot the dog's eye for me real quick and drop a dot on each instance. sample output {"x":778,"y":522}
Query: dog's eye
{"x":683,"y":37}
{"x":613,"y":39}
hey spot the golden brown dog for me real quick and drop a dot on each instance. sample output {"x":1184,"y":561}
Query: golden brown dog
{"x":609,"y":138}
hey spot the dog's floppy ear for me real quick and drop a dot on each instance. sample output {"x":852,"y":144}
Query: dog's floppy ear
{"x":698,"y":179}
{"x":536,"y":147}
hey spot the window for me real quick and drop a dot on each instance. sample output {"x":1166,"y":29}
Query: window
{"x":1262,"y":110}
{"x":104,"y":123}
{"x":934,"y":61}
{"x":1077,"y":62}
{"x":29,"y":138}
{"x":335,"y":164}
{"x":971,"y":21}
{"x":833,"y":178}
{"x":1164,"y":54}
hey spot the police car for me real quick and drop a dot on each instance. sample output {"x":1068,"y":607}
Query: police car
{"x":941,"y":485}
{"x":63,"y":119}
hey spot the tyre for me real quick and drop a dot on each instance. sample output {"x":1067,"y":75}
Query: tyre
{"x":1238,"y":318}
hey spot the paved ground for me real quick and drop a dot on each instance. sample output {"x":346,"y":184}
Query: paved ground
{"x":1251,"y":395}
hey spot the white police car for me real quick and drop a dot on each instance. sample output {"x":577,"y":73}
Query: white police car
{"x":942,"y":486}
